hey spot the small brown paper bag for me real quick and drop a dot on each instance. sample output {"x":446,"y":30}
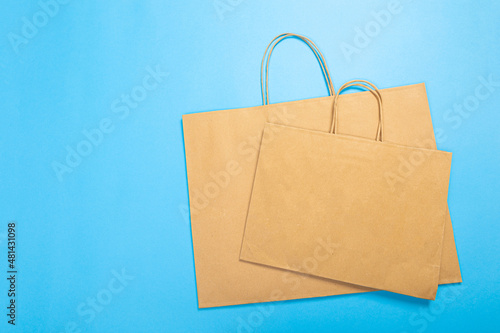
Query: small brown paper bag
{"x":313,"y":187}
{"x":221,"y":157}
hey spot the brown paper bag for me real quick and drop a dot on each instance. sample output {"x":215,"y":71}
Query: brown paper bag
{"x":221,"y":157}
{"x":313,"y":188}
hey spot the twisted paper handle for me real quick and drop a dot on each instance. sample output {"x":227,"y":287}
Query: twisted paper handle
{"x":374,"y":90}
{"x":265,"y":83}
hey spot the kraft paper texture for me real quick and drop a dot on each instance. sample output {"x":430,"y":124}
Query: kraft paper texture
{"x":313,"y":188}
{"x":221,"y":157}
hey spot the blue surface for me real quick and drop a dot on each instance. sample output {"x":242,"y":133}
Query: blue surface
{"x":121,"y":206}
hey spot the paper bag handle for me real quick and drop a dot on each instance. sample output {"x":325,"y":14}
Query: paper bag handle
{"x":374,"y":90}
{"x":265,"y":84}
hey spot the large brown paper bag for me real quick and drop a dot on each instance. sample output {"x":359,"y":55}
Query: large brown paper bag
{"x":221,"y":157}
{"x":313,"y":187}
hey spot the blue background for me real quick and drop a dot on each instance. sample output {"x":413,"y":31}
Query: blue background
{"x":123,"y":206}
